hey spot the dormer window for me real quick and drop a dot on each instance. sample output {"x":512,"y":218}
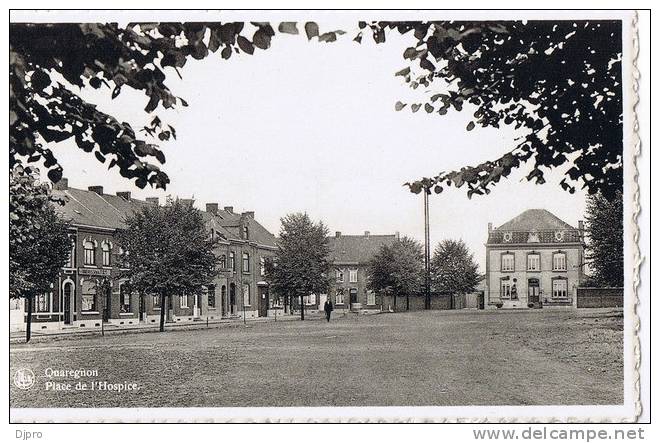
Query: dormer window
{"x":246,"y":232}
{"x":507,"y":237}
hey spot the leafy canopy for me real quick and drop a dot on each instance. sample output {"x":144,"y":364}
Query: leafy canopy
{"x":453,"y":269}
{"x":397,"y":268}
{"x":300,"y":266}
{"x":604,"y":231}
{"x":558,"y":80}
{"x":39,"y":243}
{"x":166,"y":250}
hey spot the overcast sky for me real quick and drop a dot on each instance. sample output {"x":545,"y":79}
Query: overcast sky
{"x":308,"y":126}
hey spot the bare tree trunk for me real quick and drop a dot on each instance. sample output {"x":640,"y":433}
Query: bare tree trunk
{"x":302,"y":308}
{"x":162,"y":312}
{"x":28,"y":326}
{"x":407,"y":302}
{"x":394,"y":295}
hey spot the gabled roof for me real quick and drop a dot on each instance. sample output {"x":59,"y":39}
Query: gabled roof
{"x":535,"y":220}
{"x":83,"y":207}
{"x":91,"y":209}
{"x":357,"y":248}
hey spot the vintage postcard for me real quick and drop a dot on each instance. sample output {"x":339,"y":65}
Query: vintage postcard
{"x":323,"y":216}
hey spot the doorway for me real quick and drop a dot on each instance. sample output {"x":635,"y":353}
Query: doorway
{"x":263,"y":301}
{"x":232,"y":298}
{"x":533,"y":290}
{"x":68,"y":302}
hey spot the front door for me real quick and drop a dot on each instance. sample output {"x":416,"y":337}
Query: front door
{"x":263,"y":301}
{"x":353,"y":294}
{"x":67,"y":303}
{"x":232,"y":298}
{"x":533,"y":290}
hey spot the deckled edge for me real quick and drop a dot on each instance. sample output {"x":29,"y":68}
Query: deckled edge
{"x":637,"y":262}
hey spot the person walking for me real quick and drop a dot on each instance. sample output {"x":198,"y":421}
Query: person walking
{"x":327,"y":307}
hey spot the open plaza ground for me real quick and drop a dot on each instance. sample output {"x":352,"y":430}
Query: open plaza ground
{"x":443,"y":358}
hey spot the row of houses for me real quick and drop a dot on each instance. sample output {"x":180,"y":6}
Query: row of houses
{"x":534,"y":259}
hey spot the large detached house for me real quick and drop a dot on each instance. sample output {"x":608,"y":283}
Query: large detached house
{"x":534,"y":260}
{"x":349,"y":257}
{"x":89,"y":290}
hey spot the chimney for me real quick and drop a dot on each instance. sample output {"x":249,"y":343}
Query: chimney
{"x":97,"y":189}
{"x":248,"y":214}
{"x":125,"y":195}
{"x":367,"y":233}
{"x":152,"y":200}
{"x":337,"y":234}
{"x":229,"y":209}
{"x":187,"y":201}
{"x":581,"y":230}
{"x":397,"y":235}
{"x":61,"y":185}
{"x":490,"y":226}
{"x":212,"y":208}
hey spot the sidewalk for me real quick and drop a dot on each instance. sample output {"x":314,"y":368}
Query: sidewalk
{"x":111,"y":329}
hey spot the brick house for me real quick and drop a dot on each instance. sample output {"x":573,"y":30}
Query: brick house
{"x":535,"y":258}
{"x":89,"y":290}
{"x":349,"y":256}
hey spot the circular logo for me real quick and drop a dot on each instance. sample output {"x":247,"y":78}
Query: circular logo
{"x":24,"y":378}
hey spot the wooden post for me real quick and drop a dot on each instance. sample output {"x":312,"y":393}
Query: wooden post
{"x":162,"y":311}
{"x":28,"y":326}
{"x":427,"y":252}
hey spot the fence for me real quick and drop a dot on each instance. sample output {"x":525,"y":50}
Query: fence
{"x":599,"y":297}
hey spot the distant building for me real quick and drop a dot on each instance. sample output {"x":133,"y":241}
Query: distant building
{"x":535,"y":258}
{"x":349,"y":257}
{"x":89,"y":290}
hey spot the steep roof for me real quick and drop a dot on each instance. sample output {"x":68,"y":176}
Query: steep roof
{"x":357,"y":248}
{"x":88,"y":208}
{"x":534,"y":220}
{"x":91,"y":209}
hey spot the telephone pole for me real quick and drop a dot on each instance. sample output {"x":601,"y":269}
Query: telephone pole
{"x":427,"y":252}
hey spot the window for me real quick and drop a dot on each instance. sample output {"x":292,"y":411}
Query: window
{"x":210,"y":292}
{"x":90,"y":252}
{"x":246,"y":233}
{"x":246,"y":294}
{"x":352,"y":276}
{"x":106,"y":249}
{"x":340,"y":275}
{"x":246,"y":262}
{"x":559,"y":288}
{"x":310,"y":299}
{"x":232,"y":260}
{"x":71,"y":261}
{"x":262,"y":266}
{"x":223,"y":261}
{"x":88,"y":292}
{"x":371,"y":298}
{"x":559,"y":261}
{"x":339,"y":297}
{"x":533,"y":262}
{"x":505,"y":289}
{"x":183,"y":301}
{"x":156,"y":301}
{"x":125,"y":298}
{"x":42,"y":302}
{"x":508,"y":262}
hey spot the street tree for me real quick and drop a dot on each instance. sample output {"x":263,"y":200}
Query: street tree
{"x":397,"y":269}
{"x":39,"y":243}
{"x":604,"y":232}
{"x":167,"y":251}
{"x":560,"y":81}
{"x":300,"y":266}
{"x":453,"y":269}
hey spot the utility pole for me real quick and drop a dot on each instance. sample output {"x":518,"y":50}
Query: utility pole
{"x":427,"y":252}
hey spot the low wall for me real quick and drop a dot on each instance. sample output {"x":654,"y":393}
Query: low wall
{"x":438,"y":302}
{"x":599,"y":297}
